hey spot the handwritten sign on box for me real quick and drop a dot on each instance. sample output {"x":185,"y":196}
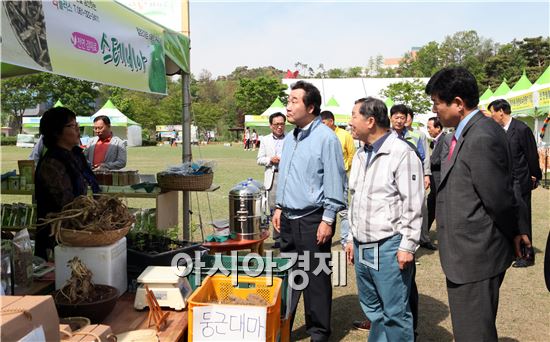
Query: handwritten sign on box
{"x":229,"y":323}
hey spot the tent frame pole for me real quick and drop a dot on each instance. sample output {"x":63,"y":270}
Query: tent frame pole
{"x":186,"y":122}
{"x":186,"y":151}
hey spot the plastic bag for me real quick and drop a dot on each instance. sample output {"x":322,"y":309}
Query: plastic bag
{"x":5,"y":268}
{"x":197,"y":167}
{"x":22,"y":258}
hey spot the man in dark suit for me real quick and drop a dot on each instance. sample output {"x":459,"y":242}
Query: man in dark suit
{"x":476,"y":211}
{"x":527,"y":173}
{"x":435,"y":130}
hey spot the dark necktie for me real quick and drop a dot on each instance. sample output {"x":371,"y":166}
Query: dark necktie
{"x":296,"y":132}
{"x":432,"y":144}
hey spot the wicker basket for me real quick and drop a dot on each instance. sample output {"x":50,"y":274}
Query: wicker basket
{"x":186,"y":183}
{"x":84,"y":238}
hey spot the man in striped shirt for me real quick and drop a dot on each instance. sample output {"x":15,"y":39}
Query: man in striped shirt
{"x":387,"y":188}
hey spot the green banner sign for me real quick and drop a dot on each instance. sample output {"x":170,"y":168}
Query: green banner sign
{"x":99,"y":41}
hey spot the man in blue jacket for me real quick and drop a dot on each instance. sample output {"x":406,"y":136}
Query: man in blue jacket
{"x":309,"y":194}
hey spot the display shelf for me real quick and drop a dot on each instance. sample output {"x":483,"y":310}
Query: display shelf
{"x":213,"y":188}
{"x":167,"y":203}
{"x":17,"y":192}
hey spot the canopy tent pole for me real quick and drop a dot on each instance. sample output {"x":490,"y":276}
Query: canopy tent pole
{"x":186,"y":124}
{"x":536,"y":128}
{"x":186,"y":151}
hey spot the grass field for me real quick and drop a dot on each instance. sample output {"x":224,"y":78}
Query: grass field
{"x":524,"y":312}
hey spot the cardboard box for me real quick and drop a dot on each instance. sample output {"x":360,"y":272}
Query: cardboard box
{"x":22,"y":314}
{"x":65,"y":332}
{"x":89,"y":333}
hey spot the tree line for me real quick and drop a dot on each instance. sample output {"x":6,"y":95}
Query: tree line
{"x":222,"y":103}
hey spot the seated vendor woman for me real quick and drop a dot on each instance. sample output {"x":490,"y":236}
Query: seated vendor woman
{"x":105,"y":151}
{"x":62,"y":172}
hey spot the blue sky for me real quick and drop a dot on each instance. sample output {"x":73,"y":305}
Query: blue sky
{"x":227,"y":34}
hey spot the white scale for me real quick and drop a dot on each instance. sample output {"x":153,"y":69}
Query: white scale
{"x":169,"y":288}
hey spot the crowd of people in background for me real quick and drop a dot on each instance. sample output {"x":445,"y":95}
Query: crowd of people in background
{"x":473,"y":177}
{"x":251,"y":139}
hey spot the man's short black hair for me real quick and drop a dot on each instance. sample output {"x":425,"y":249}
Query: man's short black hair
{"x":274,"y":115}
{"x":312,"y":95}
{"x":377,"y":109}
{"x":399,"y":108}
{"x":449,"y":83}
{"x":52,"y":124}
{"x":103,"y":118}
{"x":327,"y":115}
{"x":500,"y":104}
{"x":437,"y":123}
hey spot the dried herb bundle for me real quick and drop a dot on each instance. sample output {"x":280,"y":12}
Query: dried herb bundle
{"x":98,"y":214}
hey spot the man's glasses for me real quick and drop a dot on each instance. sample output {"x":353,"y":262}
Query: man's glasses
{"x":73,"y":126}
{"x":278,"y":124}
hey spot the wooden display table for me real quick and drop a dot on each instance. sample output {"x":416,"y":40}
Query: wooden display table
{"x":38,"y":287}
{"x":255,"y":246}
{"x":125,"y":318}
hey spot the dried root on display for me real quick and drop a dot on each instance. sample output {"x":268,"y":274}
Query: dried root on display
{"x":99,"y":214}
{"x":79,"y":288}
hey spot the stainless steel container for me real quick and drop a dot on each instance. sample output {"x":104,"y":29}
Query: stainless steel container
{"x":265,"y":214}
{"x":245,"y":211}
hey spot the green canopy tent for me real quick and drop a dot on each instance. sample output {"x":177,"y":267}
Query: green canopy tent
{"x":501,"y":91}
{"x":99,"y":41}
{"x":122,"y":126}
{"x":541,"y":88}
{"x":276,"y":106}
{"x":31,"y":124}
{"x":341,"y":116}
{"x":541,"y":100}
{"x":521,"y":97}
{"x":389,"y":103}
{"x":484,"y":98}
{"x":262,"y":120}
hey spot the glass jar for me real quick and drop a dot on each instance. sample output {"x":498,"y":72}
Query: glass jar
{"x":108,"y":178}
{"x":123,"y":178}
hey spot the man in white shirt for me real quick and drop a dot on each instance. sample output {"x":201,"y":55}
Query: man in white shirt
{"x":269,"y":155}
